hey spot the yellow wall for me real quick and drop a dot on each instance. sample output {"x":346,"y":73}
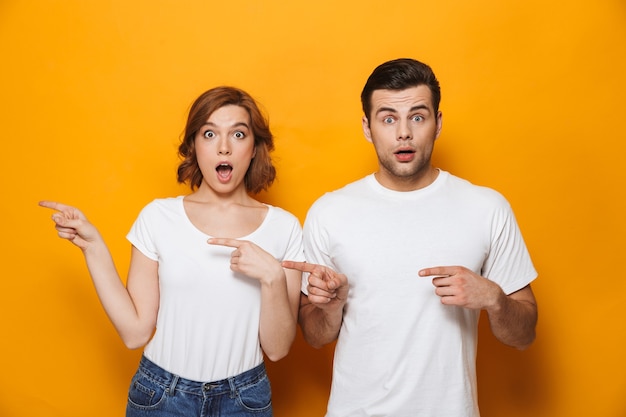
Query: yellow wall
{"x":94,"y":96}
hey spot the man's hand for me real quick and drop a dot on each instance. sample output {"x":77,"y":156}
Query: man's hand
{"x":321,"y":312}
{"x":512,"y":317}
{"x":457,"y":285}
{"x":326,"y":288}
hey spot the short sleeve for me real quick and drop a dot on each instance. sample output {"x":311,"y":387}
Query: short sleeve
{"x":140,"y":234}
{"x":509,"y":263}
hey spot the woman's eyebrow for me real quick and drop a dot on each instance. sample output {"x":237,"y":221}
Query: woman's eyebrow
{"x":236,"y":124}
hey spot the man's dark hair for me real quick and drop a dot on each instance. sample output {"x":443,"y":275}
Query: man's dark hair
{"x":400,"y":74}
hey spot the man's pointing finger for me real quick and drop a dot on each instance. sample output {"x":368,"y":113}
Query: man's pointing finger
{"x":300,"y":266}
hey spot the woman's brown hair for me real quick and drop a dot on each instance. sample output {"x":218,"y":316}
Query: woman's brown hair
{"x":261,"y":172}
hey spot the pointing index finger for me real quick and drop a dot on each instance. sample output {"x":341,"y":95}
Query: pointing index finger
{"x":53,"y":205}
{"x":300,"y":266}
{"x":223,"y":241}
{"x":440,"y":271}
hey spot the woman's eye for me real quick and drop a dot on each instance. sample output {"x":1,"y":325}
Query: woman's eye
{"x":240,"y":135}
{"x":209,"y":134}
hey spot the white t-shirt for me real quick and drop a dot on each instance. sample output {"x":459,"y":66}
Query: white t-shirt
{"x":400,"y":351}
{"x":208,"y":322}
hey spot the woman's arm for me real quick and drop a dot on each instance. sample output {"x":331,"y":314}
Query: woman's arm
{"x":280,"y":291}
{"x":279,"y":314}
{"x":132,"y":308}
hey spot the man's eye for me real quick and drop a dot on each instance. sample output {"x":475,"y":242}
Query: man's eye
{"x":240,"y":135}
{"x":417,"y":118}
{"x":209,"y":134}
{"x":388,"y":120}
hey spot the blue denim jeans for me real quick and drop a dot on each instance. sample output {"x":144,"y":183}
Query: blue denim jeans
{"x":154,"y":392}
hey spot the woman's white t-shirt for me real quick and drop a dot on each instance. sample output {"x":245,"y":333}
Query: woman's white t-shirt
{"x":208,"y":321}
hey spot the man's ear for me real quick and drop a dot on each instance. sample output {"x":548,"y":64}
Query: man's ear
{"x":366,"y":128}
{"x":439,"y":123}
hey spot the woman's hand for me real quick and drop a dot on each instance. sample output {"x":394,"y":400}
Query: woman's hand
{"x":71,"y":224}
{"x":250,"y":260}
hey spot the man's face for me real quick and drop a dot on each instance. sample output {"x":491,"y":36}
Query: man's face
{"x":403,"y":127}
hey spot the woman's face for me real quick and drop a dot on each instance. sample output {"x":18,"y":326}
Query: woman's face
{"x":224,"y":148}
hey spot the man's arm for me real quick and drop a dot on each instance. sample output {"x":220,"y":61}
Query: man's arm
{"x":321,"y":312}
{"x":319,"y":326}
{"x":512,"y":317}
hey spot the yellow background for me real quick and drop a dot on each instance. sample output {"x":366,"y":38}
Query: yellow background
{"x":94,"y":98}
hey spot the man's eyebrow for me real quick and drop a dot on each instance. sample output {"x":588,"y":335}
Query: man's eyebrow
{"x":392,"y":110}
{"x":386,"y":110}
{"x":420,"y":107}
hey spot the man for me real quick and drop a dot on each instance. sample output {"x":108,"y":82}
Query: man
{"x":402,"y":262}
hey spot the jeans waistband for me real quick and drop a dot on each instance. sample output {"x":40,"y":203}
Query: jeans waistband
{"x":174,"y":381}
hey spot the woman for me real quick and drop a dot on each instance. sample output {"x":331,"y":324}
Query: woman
{"x":205,"y":289}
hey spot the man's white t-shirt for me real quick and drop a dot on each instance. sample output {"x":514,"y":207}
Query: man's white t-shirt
{"x":400,"y":351}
